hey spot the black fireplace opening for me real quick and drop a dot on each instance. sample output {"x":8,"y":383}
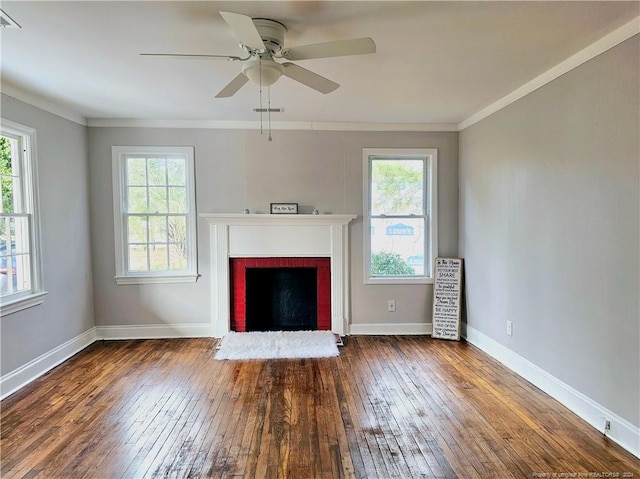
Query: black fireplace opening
{"x":281,"y":299}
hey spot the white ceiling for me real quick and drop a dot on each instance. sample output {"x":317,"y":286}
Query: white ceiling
{"x":436,"y":62}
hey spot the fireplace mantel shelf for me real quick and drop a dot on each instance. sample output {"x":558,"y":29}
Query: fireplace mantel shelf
{"x":268,"y":235}
{"x":269,"y":219}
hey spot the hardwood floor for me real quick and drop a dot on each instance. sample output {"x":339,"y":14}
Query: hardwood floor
{"x":388,"y":407}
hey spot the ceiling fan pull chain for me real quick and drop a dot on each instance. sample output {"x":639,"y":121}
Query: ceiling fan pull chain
{"x":260,"y":67}
{"x":269,"y":111}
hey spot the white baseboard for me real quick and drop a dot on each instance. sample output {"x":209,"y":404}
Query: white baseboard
{"x":155,"y":331}
{"x":16,"y":379}
{"x":390,"y":328}
{"x":20,"y":377}
{"x":622,"y":431}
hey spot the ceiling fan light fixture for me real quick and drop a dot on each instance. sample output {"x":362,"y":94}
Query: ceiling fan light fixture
{"x":263,"y":72}
{"x":262,"y":39}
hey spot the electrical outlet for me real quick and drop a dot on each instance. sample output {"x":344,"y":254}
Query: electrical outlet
{"x":607,"y":425}
{"x":510,"y":328}
{"x":391,"y":306}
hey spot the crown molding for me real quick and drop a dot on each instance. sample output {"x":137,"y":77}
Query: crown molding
{"x":275,"y":125}
{"x":605,"y":43}
{"x":33,"y":99}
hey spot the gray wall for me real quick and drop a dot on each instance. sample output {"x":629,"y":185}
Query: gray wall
{"x":549,"y":221}
{"x":67,"y":311}
{"x":241,"y":169}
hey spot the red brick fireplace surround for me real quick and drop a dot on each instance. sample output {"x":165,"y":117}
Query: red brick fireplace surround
{"x":239,"y":266}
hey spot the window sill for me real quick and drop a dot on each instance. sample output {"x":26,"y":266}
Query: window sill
{"x":22,"y":303}
{"x":187,"y":278}
{"x":400,"y":280}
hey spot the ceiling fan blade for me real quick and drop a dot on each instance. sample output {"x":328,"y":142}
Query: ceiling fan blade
{"x":189,"y":56}
{"x":244,"y":29}
{"x":233,"y":86}
{"x":355,"y":46}
{"x":308,"y":78}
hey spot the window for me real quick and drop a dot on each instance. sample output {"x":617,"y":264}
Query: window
{"x":400,"y":220}
{"x":20,"y":265}
{"x":154,"y":209}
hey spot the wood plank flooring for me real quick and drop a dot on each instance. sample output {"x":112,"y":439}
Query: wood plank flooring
{"x":388,"y":407}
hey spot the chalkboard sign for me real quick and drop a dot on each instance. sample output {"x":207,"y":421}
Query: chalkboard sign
{"x":446,"y":298}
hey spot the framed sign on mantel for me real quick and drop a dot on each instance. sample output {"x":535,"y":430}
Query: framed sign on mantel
{"x":446,"y":298}
{"x":284,"y":208}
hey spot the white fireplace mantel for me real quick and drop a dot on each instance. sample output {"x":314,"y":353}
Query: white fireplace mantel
{"x":269,"y":235}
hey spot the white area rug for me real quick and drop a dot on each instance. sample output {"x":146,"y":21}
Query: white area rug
{"x":278,"y":345}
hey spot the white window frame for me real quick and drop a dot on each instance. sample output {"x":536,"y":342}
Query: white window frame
{"x":28,"y":168}
{"x":119,"y":154}
{"x":430,"y":156}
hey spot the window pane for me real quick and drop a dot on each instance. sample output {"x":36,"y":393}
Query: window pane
{"x":158,"y":229}
{"x":397,"y":246}
{"x":20,"y":234}
{"x":137,"y":229}
{"x":8,"y":279}
{"x":138,"y":258}
{"x":22,"y":272}
{"x":157,"y":199}
{"x":15,"y":257}
{"x":137,"y":198}
{"x":158,"y":257}
{"x":177,"y":200}
{"x":7,"y":194}
{"x":176,"y":172}
{"x":9,"y":175}
{"x":177,"y":229}
{"x":177,"y":256}
{"x":7,"y":233}
{"x":397,"y":187}
{"x":4,"y":250}
{"x":157,"y":172}
{"x":136,"y":171}
{"x":15,"y":229}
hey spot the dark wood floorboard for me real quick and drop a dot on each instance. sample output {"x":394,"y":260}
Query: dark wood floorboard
{"x":388,"y":407}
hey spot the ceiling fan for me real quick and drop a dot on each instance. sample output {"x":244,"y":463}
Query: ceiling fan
{"x":262,"y":39}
